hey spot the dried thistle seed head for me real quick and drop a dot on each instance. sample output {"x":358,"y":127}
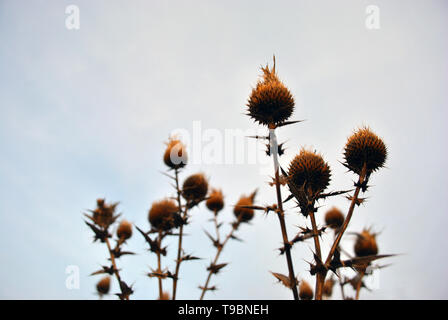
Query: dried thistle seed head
{"x":103,"y":286}
{"x":270,"y":102}
{"x":124,"y":230}
{"x":165,"y":296}
{"x":175,"y":155}
{"x":309,"y":169}
{"x":328,"y":287}
{"x":104,"y":214}
{"x":195,"y":187}
{"x":334,"y":218}
{"x":365,"y":244}
{"x":215,"y":201}
{"x":305,"y":291}
{"x":365,"y":147}
{"x":245,"y":214}
{"x":163,"y":215}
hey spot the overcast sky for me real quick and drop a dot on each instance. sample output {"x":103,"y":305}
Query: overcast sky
{"x":85,"y":113}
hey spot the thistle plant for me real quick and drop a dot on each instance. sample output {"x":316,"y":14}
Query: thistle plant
{"x":101,"y":220}
{"x":243,"y":212}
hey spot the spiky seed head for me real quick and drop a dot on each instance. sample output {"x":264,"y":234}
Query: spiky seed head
{"x":163,"y":215}
{"x":124,"y":230}
{"x":245,"y":214}
{"x":270,"y":102}
{"x":103,"y":286}
{"x":175,"y":155}
{"x":104,"y":214}
{"x":305,"y":291}
{"x":195,"y":187}
{"x":165,"y":296}
{"x":334,"y":218}
{"x":309,"y":169}
{"x":328,"y":287}
{"x":365,"y":244}
{"x":215,"y":201}
{"x":365,"y":147}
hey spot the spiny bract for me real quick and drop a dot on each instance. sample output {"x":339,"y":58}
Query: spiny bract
{"x":365,"y":147}
{"x":309,"y":169}
{"x":270,"y":102}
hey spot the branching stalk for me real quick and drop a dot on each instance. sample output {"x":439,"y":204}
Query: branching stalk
{"x":116,"y":272}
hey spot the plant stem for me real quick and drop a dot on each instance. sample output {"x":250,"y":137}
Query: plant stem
{"x":359,"y":284}
{"x":114,"y":265}
{"x":280,"y":212}
{"x":159,"y":264}
{"x":218,"y":253}
{"x":181,"y":231}
{"x":318,"y":295}
{"x":337,"y":241}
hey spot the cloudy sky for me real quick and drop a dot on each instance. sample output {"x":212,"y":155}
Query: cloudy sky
{"x":85,"y":113}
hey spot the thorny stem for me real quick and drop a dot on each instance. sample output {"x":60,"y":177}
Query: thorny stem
{"x":159,"y":264}
{"x":318,"y":253}
{"x":337,"y":241}
{"x":280,"y":213}
{"x":181,"y":231}
{"x":359,"y":284}
{"x":114,"y":265}
{"x":218,"y":253}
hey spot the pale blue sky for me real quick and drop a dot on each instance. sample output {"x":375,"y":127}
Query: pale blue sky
{"x":84,"y":114}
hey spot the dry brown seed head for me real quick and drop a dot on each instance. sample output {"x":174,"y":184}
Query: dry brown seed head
{"x":244,"y":214}
{"x":104,"y":214}
{"x":175,"y":155}
{"x":195,"y":187}
{"x":215,"y":201}
{"x":270,"y":102}
{"x":328,"y":287}
{"x":124,"y":230}
{"x":165,"y":296}
{"x":305,"y":291}
{"x":365,"y":244}
{"x":310,"y":170}
{"x":162,"y":215}
{"x":334,"y":218}
{"x":365,"y":147}
{"x":103,"y":286}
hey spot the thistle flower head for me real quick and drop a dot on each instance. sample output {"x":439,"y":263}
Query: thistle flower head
{"x":242,"y":213}
{"x":270,"y":102}
{"x":328,"y":287}
{"x":364,"y":148}
{"x":195,"y":187}
{"x":365,"y":244}
{"x":334,"y":218}
{"x":309,"y":170}
{"x":103,"y":286}
{"x":163,"y":215}
{"x":124,"y":230}
{"x":305,"y":291}
{"x":215,"y":201}
{"x":175,"y":155}
{"x":104,"y":214}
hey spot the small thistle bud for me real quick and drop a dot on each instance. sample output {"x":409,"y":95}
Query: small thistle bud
{"x":195,"y":187}
{"x":305,"y":291}
{"x":103,"y":286}
{"x":334,"y":218}
{"x":165,"y":296}
{"x":328,"y":287}
{"x":365,"y":244}
{"x":270,"y":102}
{"x":124,"y":230}
{"x":215,"y":201}
{"x":104,"y":214}
{"x":309,"y":169}
{"x":175,"y":155}
{"x":163,"y":215}
{"x":245,"y":214}
{"x":365,"y":147}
